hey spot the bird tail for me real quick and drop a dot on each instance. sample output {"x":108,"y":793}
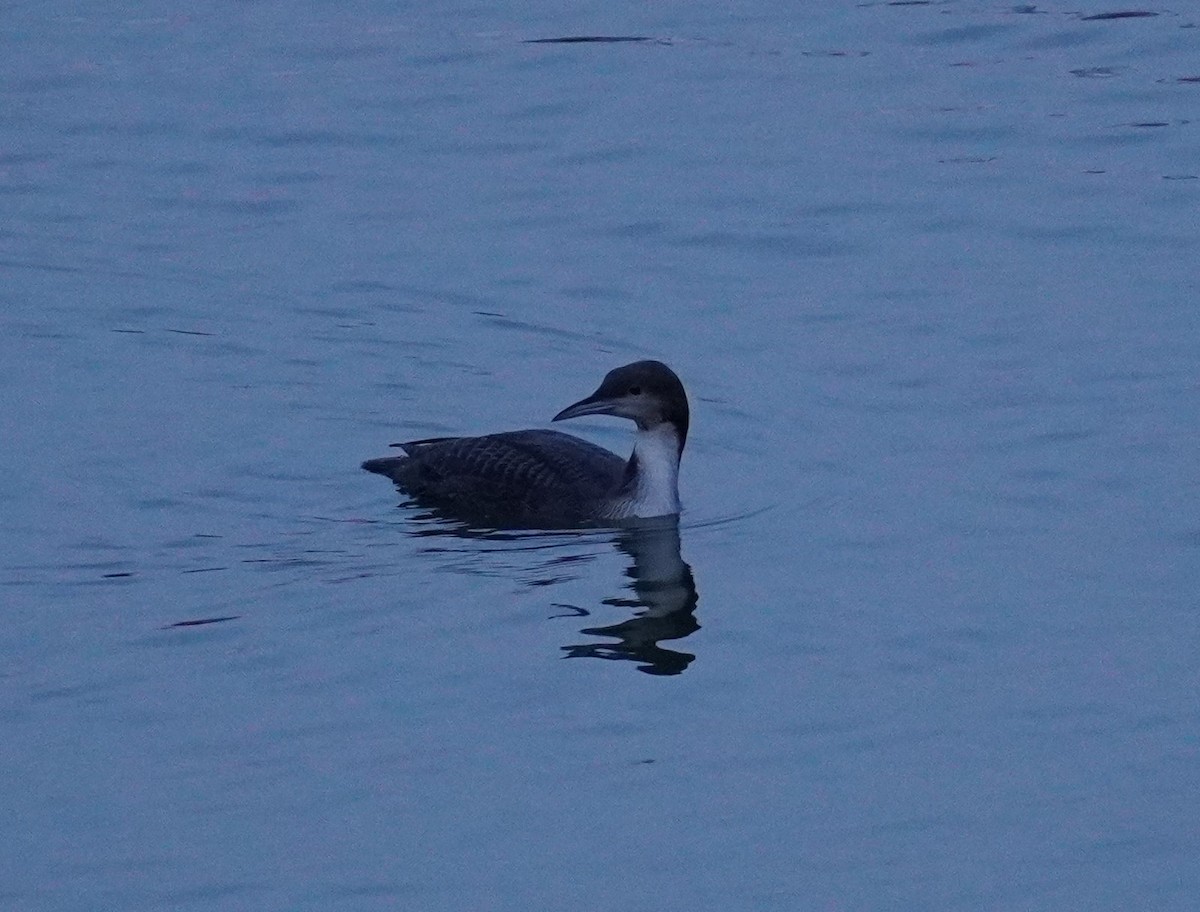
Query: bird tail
{"x":385,"y":465}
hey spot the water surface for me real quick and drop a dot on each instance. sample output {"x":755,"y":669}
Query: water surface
{"x":928,"y":636}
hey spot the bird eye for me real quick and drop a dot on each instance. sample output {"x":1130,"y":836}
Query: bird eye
{"x":635,"y":390}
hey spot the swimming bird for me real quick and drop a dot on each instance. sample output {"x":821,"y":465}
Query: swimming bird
{"x":550,"y":480}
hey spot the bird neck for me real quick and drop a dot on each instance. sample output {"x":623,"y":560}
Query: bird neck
{"x":651,"y":484}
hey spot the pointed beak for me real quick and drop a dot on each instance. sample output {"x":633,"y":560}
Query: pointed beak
{"x":594,"y":404}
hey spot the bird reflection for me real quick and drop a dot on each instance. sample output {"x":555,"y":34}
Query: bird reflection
{"x":662,"y":592}
{"x":664,"y":599}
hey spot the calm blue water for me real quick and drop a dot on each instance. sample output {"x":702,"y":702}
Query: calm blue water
{"x":928,"y":637}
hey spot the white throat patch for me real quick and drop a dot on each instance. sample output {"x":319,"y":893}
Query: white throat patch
{"x":657,"y":491}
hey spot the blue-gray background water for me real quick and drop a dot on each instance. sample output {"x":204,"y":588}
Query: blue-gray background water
{"x":929,"y":272}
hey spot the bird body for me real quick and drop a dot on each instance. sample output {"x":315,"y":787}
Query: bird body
{"x":525,"y":478}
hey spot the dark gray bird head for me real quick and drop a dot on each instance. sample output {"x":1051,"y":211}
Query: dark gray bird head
{"x":647,"y":392}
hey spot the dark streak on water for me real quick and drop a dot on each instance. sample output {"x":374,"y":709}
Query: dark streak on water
{"x":1125,"y":14}
{"x":596,"y":39}
{"x":201,"y":622}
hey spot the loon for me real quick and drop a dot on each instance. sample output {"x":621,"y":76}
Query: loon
{"x":550,"y":480}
